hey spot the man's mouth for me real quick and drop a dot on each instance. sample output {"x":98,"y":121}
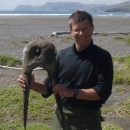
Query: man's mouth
{"x":82,"y":38}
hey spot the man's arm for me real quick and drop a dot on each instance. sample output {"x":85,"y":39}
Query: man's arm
{"x":84,"y":94}
{"x":88,"y":94}
{"x":40,"y":87}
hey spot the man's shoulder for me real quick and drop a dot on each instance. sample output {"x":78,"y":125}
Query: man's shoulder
{"x":102,"y":51}
{"x":65,"y":50}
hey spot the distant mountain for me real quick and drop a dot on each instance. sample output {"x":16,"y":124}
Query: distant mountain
{"x":66,"y":6}
{"x":72,"y":6}
{"x":122,"y":7}
{"x":28,"y":8}
{"x":57,"y":6}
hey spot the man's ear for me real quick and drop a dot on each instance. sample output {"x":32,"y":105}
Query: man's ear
{"x":93,"y":27}
{"x":70,"y":31}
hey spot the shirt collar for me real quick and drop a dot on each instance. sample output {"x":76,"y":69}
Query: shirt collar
{"x":89,"y":48}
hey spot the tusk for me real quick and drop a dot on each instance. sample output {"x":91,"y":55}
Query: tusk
{"x":39,"y":53}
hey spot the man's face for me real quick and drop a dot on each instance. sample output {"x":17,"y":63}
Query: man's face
{"x":82,"y":34}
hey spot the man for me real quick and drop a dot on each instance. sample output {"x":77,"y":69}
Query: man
{"x":84,"y":75}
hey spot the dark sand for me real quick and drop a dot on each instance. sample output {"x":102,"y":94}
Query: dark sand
{"x":13,"y":30}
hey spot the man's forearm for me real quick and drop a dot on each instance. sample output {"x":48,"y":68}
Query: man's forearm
{"x":40,"y":87}
{"x":88,"y":94}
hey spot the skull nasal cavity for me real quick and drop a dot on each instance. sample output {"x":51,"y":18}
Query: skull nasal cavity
{"x":37,"y":51}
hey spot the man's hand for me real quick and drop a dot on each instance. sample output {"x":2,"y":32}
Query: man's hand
{"x":62,"y":90}
{"x":22,"y":83}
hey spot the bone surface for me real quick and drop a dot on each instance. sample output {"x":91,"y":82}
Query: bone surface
{"x":39,"y":53}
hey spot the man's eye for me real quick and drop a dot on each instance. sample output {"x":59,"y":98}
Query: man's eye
{"x":84,"y":29}
{"x":76,"y":30}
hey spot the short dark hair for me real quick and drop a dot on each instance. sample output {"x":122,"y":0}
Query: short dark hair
{"x":79,"y":16}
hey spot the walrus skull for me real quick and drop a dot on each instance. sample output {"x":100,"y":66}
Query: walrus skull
{"x":39,"y":53}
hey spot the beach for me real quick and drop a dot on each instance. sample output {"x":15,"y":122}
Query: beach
{"x":14,"y":30}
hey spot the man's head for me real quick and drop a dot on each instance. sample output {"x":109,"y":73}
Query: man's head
{"x":81,"y":29}
{"x":80,"y":16}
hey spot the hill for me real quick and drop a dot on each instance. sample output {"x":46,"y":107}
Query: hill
{"x":28,"y":8}
{"x":57,"y":6}
{"x":72,"y":6}
{"x":66,"y":6}
{"x":122,"y":7}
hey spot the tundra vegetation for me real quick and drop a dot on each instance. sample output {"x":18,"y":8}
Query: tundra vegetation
{"x":41,"y":110}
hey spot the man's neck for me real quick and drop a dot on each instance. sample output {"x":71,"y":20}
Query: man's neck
{"x":81,"y":48}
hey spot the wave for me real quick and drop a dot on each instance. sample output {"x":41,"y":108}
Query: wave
{"x":58,"y":13}
{"x":30,"y":14}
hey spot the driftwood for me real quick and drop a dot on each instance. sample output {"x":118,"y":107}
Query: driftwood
{"x":59,"y":33}
{"x":94,"y":33}
{"x":15,"y":68}
{"x":124,"y":33}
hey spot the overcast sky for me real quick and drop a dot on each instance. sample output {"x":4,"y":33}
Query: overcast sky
{"x":11,"y":4}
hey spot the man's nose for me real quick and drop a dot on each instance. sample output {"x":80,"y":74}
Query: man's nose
{"x":81,"y":32}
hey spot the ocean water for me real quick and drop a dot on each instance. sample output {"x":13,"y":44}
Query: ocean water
{"x":39,"y":13}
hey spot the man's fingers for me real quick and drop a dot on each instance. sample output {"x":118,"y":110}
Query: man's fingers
{"x":60,"y":93}
{"x":22,"y":85}
{"x":21,"y":79}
